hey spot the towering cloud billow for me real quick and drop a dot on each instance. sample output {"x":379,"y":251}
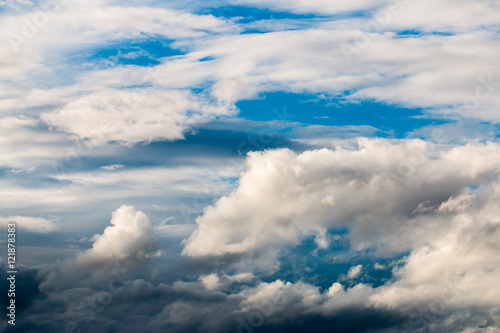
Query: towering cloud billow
{"x":127,"y":242}
{"x":129,"y":238}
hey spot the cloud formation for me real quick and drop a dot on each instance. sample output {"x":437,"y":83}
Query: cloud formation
{"x":133,"y":116}
{"x":97,"y":97}
{"x":130,"y":238}
{"x":374,"y":190}
{"x":29,"y":223}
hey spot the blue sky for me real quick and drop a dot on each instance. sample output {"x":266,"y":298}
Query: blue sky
{"x":252,"y":166}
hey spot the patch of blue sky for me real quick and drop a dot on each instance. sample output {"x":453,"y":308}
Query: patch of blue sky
{"x":53,"y":239}
{"x":145,"y":52}
{"x":418,"y":33}
{"x":323,"y":267}
{"x":246,"y":15}
{"x":148,"y":52}
{"x":306,"y":109}
{"x":207,"y":59}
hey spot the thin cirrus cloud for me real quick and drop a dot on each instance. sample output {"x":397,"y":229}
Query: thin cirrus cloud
{"x":436,"y":75}
{"x":428,"y":15}
{"x":451,"y":75}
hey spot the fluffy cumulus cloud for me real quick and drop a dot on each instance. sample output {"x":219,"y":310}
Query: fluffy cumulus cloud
{"x":354,"y":272}
{"x":133,"y":116}
{"x":130,"y":238}
{"x":115,"y":254}
{"x":439,"y":203}
{"x":378,"y":190}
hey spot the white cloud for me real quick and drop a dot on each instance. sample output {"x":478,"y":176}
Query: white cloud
{"x":437,"y":202}
{"x":447,"y":15}
{"x":18,"y":149}
{"x":133,"y":116}
{"x":354,"y":271}
{"x":112,"y":167}
{"x":130,"y":238}
{"x":372,"y":190}
{"x":279,"y":295}
{"x":242,"y":277}
{"x":428,"y":15}
{"x":433,"y":72}
{"x":29,"y":223}
{"x":100,"y":23}
{"x":40,"y":57}
{"x":456,"y":266}
{"x":439,"y":73}
{"x":334,"y":289}
{"x":454,"y":259}
{"x":129,"y":241}
{"x":321,"y":6}
{"x":210,"y":282}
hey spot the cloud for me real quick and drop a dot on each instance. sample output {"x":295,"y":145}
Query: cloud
{"x":130,"y":238}
{"x":428,"y":15}
{"x":112,"y":167}
{"x":322,"y":6}
{"x":127,"y":243}
{"x":354,"y":271}
{"x":433,"y":206}
{"x":372,"y":190}
{"x":210,"y":282}
{"x":333,"y":57}
{"x":444,"y":284}
{"x":38,"y":28}
{"x":133,"y":116}
{"x":32,"y":224}
{"x":454,"y":268}
{"x":49,"y":45}
{"x":431,"y":72}
{"x":180,"y":231}
{"x":19,"y":150}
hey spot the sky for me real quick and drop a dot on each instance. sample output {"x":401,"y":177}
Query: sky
{"x":251,"y":166}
